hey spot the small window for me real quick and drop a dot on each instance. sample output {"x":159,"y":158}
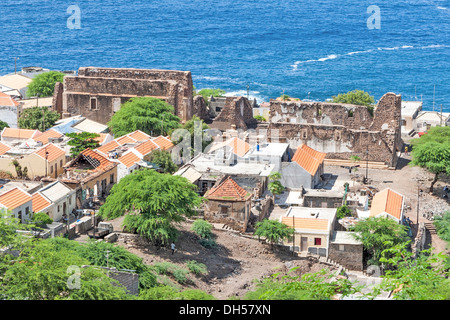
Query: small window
{"x":27,"y":211}
{"x":223,"y":210}
{"x":93,"y":103}
{"x":337,"y":136}
{"x":341,"y":247}
{"x":304,"y":134}
{"x":112,"y":179}
{"x":60,"y":163}
{"x":58,"y":208}
{"x":317,"y":241}
{"x":51,"y":169}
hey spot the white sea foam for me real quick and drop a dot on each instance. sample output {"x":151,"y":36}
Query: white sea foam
{"x":334,"y":56}
{"x":442,"y":8}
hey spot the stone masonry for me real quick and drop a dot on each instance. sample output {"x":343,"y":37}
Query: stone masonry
{"x":340,"y":130}
{"x":97,"y":93}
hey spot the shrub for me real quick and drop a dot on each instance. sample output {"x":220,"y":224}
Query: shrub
{"x":167,"y":268}
{"x":343,"y":211}
{"x":197,"y":268}
{"x":202,"y":228}
{"x":208,"y":243}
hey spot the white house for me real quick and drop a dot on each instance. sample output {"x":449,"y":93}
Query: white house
{"x":18,"y":202}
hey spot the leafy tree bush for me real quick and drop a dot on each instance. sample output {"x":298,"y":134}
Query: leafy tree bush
{"x":81,"y":141}
{"x":343,"y":211}
{"x":166,"y":268}
{"x":275,"y":186}
{"x":208,"y":243}
{"x":260,"y":118}
{"x":202,"y":228}
{"x":378,"y":234}
{"x":38,"y":118}
{"x":273,"y":231}
{"x":358,"y":97}
{"x":44,"y":84}
{"x":432,"y":151}
{"x":152,"y":202}
{"x":196,"y":267}
{"x":40,"y":219}
{"x":163,"y":159}
{"x":442,"y":225}
{"x":207,"y":93}
{"x":150,"y":115}
{"x":3,"y":125}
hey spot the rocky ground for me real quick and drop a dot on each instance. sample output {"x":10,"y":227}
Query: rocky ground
{"x":237,"y":261}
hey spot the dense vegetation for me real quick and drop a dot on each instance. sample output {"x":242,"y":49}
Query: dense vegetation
{"x":38,"y":118}
{"x":82,"y":140}
{"x":43,"y":85}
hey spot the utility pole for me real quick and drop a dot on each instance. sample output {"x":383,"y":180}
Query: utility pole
{"x":367,"y":164}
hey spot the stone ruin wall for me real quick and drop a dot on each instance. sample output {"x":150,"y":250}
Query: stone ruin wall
{"x":340,"y":130}
{"x":237,"y":111}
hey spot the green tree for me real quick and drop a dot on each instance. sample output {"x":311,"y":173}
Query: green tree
{"x":38,"y":118}
{"x":150,"y":115}
{"x":81,"y":141}
{"x":259,"y":118}
{"x":3,"y":125}
{"x":378,"y":234}
{"x":163,"y":159}
{"x":432,"y":151}
{"x":309,"y":286}
{"x":208,"y":92}
{"x":44,"y":84}
{"x":40,"y":219}
{"x":152,"y":202}
{"x":442,"y":224}
{"x":358,"y":97}
{"x":424,"y":277}
{"x":343,"y":211}
{"x":202,"y":228}
{"x":43,"y":273}
{"x":275,"y":186}
{"x":273,"y":231}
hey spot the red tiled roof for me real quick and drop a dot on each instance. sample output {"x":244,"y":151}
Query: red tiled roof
{"x":308,"y":158}
{"x":387,"y":201}
{"x":108,"y":147}
{"x":101,"y":138}
{"x":163,"y":142}
{"x":228,"y":190}
{"x":139,"y":135}
{"x":101,"y":163}
{"x":14,"y":198}
{"x":39,"y":202}
{"x":129,"y":159}
{"x":146,"y":147}
{"x":54,"y":152}
{"x":19,"y":133}
{"x":7,"y":100}
{"x":125,"y":139}
{"x":43,"y":137}
{"x":4,"y":148}
{"x":306,"y":223}
{"x":240,"y":147}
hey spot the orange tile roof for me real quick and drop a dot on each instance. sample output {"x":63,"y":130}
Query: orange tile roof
{"x":54,"y":152}
{"x":14,"y":198}
{"x":39,"y":202}
{"x":108,"y":147}
{"x":7,"y":100}
{"x":125,"y":139}
{"x":4,"y":148}
{"x":43,"y":137}
{"x":19,"y":133}
{"x":240,"y":147}
{"x":146,"y":147}
{"x":387,"y":201}
{"x":129,"y":159}
{"x":101,"y":138}
{"x":308,"y":158}
{"x":101,"y":163}
{"x":139,"y":135}
{"x":163,"y":142}
{"x":306,"y":223}
{"x":228,"y":190}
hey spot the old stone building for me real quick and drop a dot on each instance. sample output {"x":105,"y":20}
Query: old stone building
{"x":97,"y":93}
{"x":237,"y":112}
{"x":340,"y":130}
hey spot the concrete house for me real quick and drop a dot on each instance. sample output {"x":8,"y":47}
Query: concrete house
{"x":92,"y":174}
{"x":346,"y":250}
{"x":9,"y":110}
{"x":388,"y":203}
{"x":56,"y":199}
{"x":313,"y":228}
{"x":229,"y":204}
{"x":14,"y":135}
{"x":19,"y":202}
{"x":304,"y":170}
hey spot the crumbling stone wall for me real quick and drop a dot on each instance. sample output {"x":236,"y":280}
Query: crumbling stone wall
{"x":57,"y":98}
{"x":340,"y":130}
{"x":351,"y":257}
{"x":236,"y":217}
{"x":237,"y":111}
{"x":200,"y":108}
{"x":112,"y":87}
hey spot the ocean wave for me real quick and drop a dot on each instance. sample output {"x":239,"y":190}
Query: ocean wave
{"x":334,"y":56}
{"x":442,"y":8}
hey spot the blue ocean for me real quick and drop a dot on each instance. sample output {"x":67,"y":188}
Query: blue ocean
{"x":308,"y":49}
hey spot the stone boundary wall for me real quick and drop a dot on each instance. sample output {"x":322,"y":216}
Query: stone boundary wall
{"x":419,"y":242}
